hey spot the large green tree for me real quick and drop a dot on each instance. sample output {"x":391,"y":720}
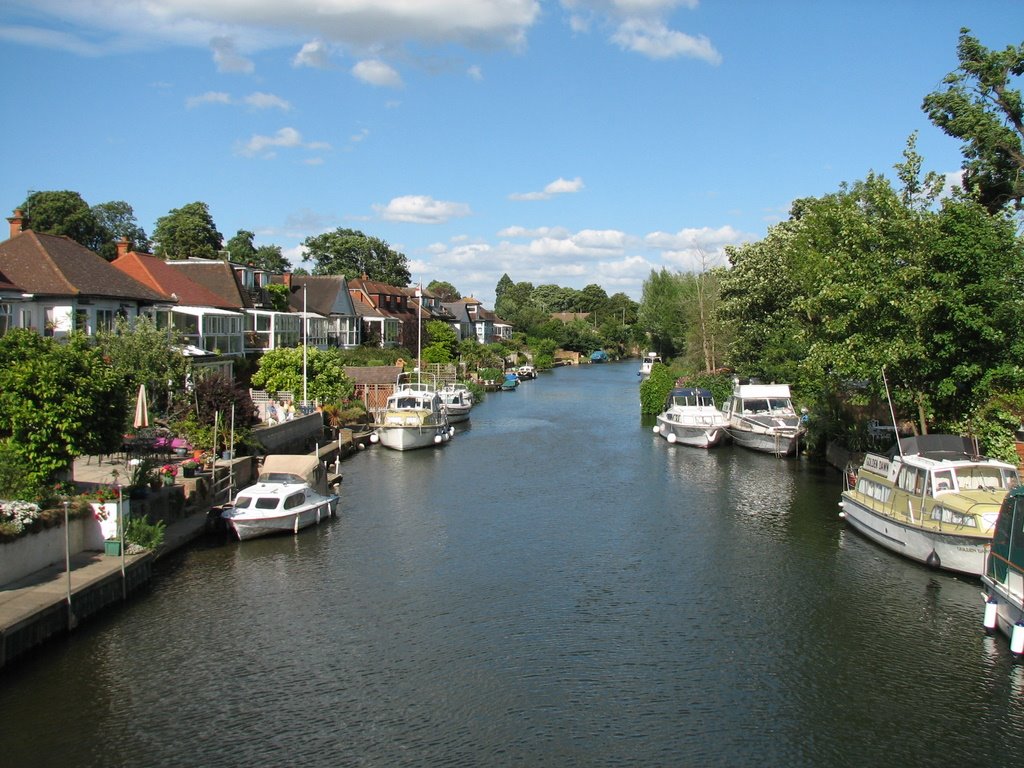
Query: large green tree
{"x":444,"y":291}
{"x":662,"y":313}
{"x":58,"y":400}
{"x":980,"y":107}
{"x":351,"y":253}
{"x":187,"y":232}
{"x":64,"y":213}
{"x":280,"y":370}
{"x":117,"y":220}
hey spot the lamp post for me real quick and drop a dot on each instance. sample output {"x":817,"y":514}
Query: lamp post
{"x":67,"y":565}
{"x":305,"y":331}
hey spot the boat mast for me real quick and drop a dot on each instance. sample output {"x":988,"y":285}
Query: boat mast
{"x":892,"y":413}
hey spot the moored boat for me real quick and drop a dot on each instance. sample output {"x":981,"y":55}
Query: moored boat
{"x":456,"y":401}
{"x":933,"y":500}
{"x":1003,"y":579}
{"x":526,"y":372}
{"x":647,"y":364}
{"x":599,"y":356}
{"x":510,"y":382}
{"x":691,"y":418}
{"x":413,"y":417}
{"x":290,"y":494}
{"x":761,"y":417}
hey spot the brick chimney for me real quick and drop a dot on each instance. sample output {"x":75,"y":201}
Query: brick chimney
{"x":122,"y":246}
{"x":288,"y":280}
{"x":17,"y":222}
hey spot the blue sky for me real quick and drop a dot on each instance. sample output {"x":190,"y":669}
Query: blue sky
{"x":558,"y":141}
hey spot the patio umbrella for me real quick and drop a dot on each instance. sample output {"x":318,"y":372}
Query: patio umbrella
{"x":141,"y":408}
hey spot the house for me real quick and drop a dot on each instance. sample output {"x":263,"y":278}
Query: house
{"x":61,"y":286}
{"x":331,"y":320}
{"x":212,"y":329}
{"x":385,"y":312}
{"x":472,"y":320}
{"x":240,"y":287}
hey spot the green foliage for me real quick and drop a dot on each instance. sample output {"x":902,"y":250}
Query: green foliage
{"x":58,"y":400}
{"x":655,"y":388}
{"x":116,"y":220}
{"x":662,"y":312}
{"x":64,"y":213}
{"x":490,"y":374}
{"x":351,"y":253}
{"x":443,"y":343}
{"x":979,"y":107}
{"x":445,"y":291}
{"x":280,"y":370}
{"x":187,"y":232}
{"x":279,"y":295}
{"x":15,"y":482}
{"x":145,"y":534}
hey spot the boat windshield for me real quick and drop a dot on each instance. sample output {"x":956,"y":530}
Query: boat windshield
{"x":768,"y":405}
{"x":243,"y":502}
{"x":280,"y":477}
{"x":984,"y":478}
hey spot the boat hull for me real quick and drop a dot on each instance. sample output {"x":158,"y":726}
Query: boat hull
{"x":957,"y":553}
{"x":411,"y":438}
{"x":457,"y":413}
{"x":1009,"y":603}
{"x":777,"y":443}
{"x":247,"y":527}
{"x":694,"y":435}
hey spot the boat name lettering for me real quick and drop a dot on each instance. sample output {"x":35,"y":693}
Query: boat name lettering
{"x":877,"y":464}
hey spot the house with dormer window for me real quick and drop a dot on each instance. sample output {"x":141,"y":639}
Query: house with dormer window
{"x":331,"y":319}
{"x":385,"y":312}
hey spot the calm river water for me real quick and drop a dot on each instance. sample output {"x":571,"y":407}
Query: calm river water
{"x":555,"y":587}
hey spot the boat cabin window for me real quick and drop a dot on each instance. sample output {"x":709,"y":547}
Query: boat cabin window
{"x":951,"y":517}
{"x":279,"y":477}
{"x":266,"y":502}
{"x":912,"y":480}
{"x":943,"y":481}
{"x":876,"y":491}
{"x":243,"y":502}
{"x":295,"y":500}
{"x":780,"y":404}
{"x":973,"y":478}
{"x":755,"y":406}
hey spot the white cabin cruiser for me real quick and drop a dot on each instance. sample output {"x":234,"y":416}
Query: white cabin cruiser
{"x":457,"y":402}
{"x":291,"y":493}
{"x":762,"y":418}
{"x":647,"y":365}
{"x":413,"y":418}
{"x":691,"y":418}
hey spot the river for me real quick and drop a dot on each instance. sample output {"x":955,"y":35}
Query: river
{"x":556,"y":586}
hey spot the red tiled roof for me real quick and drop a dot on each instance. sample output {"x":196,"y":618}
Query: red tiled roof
{"x":154,"y":272}
{"x":52,"y":265}
{"x":218,"y":277}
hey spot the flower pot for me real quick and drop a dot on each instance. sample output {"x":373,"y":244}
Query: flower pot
{"x":112,"y":547}
{"x":188,"y":471}
{"x":168,"y":479}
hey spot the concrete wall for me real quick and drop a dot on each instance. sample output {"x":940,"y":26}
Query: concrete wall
{"x":35,"y":551}
{"x":295,"y":436}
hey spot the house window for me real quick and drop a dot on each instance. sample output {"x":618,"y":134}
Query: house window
{"x":104,"y":320}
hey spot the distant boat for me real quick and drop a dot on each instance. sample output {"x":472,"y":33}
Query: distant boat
{"x":647,"y":365}
{"x":525,"y":372}
{"x":600,"y":356}
{"x":510,"y":382}
{"x":457,"y":402}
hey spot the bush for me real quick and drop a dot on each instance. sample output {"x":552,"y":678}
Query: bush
{"x":145,"y":534}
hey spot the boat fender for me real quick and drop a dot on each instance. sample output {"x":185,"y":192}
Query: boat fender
{"x":656,"y":429}
{"x":451,"y":431}
{"x":374,"y":437}
{"x":933,"y":560}
{"x":437,"y":439}
{"x":990,"y":615}
{"x":1017,"y":639}
{"x":671,"y":437}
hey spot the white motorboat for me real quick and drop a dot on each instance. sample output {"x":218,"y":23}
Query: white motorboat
{"x":526,"y":372}
{"x":647,"y":365}
{"x":691,"y":418}
{"x":413,"y":417}
{"x":935,"y":501}
{"x":761,"y":417}
{"x":290,"y":494}
{"x":457,"y":402}
{"x":1003,"y":579}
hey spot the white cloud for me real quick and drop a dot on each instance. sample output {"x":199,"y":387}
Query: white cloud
{"x":376,"y":72}
{"x":227,"y":58}
{"x":266,"y":101}
{"x":559,"y":186}
{"x":475,"y":73}
{"x":421,"y":209}
{"x":313,"y":54}
{"x":654,"y":40}
{"x":210,"y":97}
{"x":286,"y":138}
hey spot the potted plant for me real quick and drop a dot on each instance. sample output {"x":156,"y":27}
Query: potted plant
{"x":189,"y":467}
{"x":167,"y":473}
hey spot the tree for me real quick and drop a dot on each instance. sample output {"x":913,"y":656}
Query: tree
{"x":117,"y":220}
{"x":270,"y":258}
{"x":58,"y":400}
{"x":443,"y":343}
{"x":979,"y":107}
{"x":280,"y":370}
{"x":240,"y":247}
{"x":662,"y":313}
{"x":64,"y":213}
{"x":351,"y":253}
{"x":504,"y":283}
{"x":141,"y":353}
{"x":187,"y":232}
{"x":445,"y":291}
{"x":512,"y":301}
